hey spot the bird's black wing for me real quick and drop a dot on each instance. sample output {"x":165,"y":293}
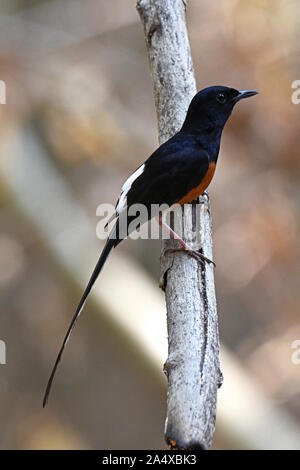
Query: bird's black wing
{"x":173,"y":170}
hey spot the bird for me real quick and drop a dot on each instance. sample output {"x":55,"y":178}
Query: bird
{"x":177,"y":172}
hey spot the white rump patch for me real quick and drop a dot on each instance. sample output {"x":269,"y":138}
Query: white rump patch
{"x":122,"y":202}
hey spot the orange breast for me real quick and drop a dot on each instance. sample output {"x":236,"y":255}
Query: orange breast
{"x":198,"y":190}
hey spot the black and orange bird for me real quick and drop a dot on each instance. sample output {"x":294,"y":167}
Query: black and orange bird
{"x":179,"y":171}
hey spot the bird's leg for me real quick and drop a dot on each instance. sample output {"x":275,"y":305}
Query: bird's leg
{"x":184,"y":247}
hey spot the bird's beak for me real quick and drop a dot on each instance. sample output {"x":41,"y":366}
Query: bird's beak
{"x":245,"y":94}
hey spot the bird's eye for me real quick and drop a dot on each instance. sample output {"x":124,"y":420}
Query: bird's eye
{"x":221,"y":98}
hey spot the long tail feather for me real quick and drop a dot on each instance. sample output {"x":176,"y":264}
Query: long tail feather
{"x":110,"y":244}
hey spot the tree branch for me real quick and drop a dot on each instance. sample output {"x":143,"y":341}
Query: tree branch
{"x":192,"y":366}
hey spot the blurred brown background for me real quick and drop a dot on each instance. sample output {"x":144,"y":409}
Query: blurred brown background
{"x":79,"y":118}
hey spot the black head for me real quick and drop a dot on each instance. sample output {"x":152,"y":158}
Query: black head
{"x":211,"y":107}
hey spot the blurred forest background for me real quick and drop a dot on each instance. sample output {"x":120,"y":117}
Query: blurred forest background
{"x":79,"y":118}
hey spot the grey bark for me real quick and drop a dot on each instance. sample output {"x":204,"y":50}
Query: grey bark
{"x":192,"y":367}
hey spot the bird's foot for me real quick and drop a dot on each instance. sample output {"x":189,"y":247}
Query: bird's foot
{"x":195,"y":254}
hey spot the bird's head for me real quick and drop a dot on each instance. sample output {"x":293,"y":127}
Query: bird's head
{"x":212,"y":106}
